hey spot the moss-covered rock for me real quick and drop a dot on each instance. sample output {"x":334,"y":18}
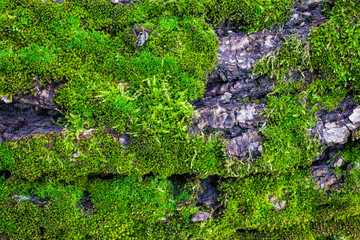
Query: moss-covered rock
{"x":127,"y":161}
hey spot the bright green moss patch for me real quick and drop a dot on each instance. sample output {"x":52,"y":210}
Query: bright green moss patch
{"x":347,"y":229}
{"x":130,"y":207}
{"x":145,"y":207}
{"x":247,"y":204}
{"x":290,"y":109}
{"x":58,"y":217}
{"x":250,"y":16}
{"x":249,"y":207}
{"x":288,"y":143}
{"x":111,"y":81}
{"x":335,"y":44}
{"x":72,"y":156}
{"x":293,"y":55}
{"x":68,"y":157}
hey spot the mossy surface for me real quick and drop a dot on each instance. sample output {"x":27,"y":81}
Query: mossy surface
{"x":111,"y":86}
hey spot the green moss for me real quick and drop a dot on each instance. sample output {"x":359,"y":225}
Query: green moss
{"x":293,"y":55}
{"x":334,"y":44}
{"x":247,"y":205}
{"x":111,"y":83}
{"x":67,"y":157}
{"x":71,"y":156}
{"x":130,"y":207}
{"x":288,"y":143}
{"x":250,"y":16}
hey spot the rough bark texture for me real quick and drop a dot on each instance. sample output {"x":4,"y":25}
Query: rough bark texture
{"x":25,"y":114}
{"x":222,"y":107}
{"x":336,"y":126}
{"x":19,"y":120}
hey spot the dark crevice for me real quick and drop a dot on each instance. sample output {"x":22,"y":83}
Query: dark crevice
{"x":148,"y":175}
{"x":5,"y":173}
{"x":86,"y":204}
{"x":18,"y":119}
{"x":209,"y":194}
{"x":178,"y":182}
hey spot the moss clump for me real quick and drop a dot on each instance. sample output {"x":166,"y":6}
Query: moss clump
{"x":288,"y":143}
{"x":249,"y":16}
{"x":67,"y":157}
{"x":334,"y":45}
{"x":71,"y":157}
{"x":111,"y":82}
{"x":130,"y":207}
{"x":247,"y":206}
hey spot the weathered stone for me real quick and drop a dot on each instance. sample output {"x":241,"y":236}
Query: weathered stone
{"x":19,"y":120}
{"x":350,"y":125}
{"x":355,"y":116}
{"x":337,"y":162}
{"x":238,"y":52}
{"x":232,"y":81}
{"x":238,"y":120}
{"x":247,"y":144}
{"x":246,"y":116}
{"x":87,"y":134}
{"x":200,"y":216}
{"x":335,"y":133}
{"x":281,"y":205}
{"x":324,"y":178}
{"x":336,"y":126}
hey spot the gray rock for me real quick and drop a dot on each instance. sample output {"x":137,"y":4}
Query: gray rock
{"x":200,"y":216}
{"x":237,"y":120}
{"x":246,"y":115}
{"x":336,"y":126}
{"x":352,"y":126}
{"x":355,"y":116}
{"x":338,"y":162}
{"x":142,"y":38}
{"x":247,"y":144}
{"x":335,"y":133}
{"x":18,"y":120}
{"x":232,"y":81}
{"x":281,"y":205}
{"x":87,"y":134}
